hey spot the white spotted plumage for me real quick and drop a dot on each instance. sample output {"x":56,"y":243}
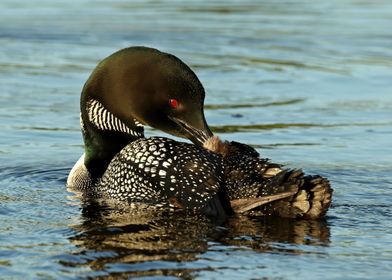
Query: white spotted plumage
{"x":149,"y":164}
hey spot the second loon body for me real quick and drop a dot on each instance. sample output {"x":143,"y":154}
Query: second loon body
{"x":140,"y":86}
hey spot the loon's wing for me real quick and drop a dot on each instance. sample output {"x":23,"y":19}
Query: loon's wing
{"x":246,"y":204}
{"x":255,"y":183}
{"x":159,"y":170}
{"x":282,"y":192}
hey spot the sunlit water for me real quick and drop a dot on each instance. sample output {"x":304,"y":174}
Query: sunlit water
{"x":306,"y":82}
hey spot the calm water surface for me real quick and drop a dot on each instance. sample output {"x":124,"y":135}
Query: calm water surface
{"x":308,"y":83}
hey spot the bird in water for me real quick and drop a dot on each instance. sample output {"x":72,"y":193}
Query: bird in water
{"x":140,"y":86}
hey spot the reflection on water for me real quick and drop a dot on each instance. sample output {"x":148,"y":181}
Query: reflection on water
{"x":254,"y":105}
{"x":258,"y":127}
{"x":267,"y":232}
{"x":120,"y":241}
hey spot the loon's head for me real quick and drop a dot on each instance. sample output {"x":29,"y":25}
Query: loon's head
{"x":140,"y":86}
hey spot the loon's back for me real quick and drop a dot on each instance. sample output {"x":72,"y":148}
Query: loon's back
{"x":163,"y":171}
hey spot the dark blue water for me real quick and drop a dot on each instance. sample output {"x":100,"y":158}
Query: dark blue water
{"x":306,"y":82}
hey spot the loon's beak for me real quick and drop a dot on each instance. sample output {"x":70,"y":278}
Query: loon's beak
{"x":198,"y":135}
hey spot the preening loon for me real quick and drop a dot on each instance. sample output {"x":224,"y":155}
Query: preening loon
{"x":140,"y":86}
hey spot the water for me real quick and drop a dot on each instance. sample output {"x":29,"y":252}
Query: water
{"x":306,"y":82}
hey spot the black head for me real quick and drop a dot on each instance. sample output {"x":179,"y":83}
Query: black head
{"x":153,"y":88}
{"x":141,"y":86}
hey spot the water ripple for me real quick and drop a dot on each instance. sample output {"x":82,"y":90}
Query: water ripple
{"x":256,"y":127}
{"x":254,"y":105}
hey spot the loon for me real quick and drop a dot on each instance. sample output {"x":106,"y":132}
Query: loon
{"x":140,"y":86}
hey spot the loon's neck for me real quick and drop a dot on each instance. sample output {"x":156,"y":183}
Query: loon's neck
{"x":104,"y":135}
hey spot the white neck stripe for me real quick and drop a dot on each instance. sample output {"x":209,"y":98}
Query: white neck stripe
{"x":102,"y":119}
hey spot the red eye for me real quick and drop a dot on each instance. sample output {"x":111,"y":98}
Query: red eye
{"x":173,"y":103}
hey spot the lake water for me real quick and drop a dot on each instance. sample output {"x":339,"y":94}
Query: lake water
{"x":308,"y":83}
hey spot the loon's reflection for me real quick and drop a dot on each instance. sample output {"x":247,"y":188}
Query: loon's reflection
{"x":273,"y":234}
{"x":134,"y":235}
{"x":142,"y":233}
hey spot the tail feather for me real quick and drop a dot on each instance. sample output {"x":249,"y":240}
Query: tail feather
{"x":310,"y":201}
